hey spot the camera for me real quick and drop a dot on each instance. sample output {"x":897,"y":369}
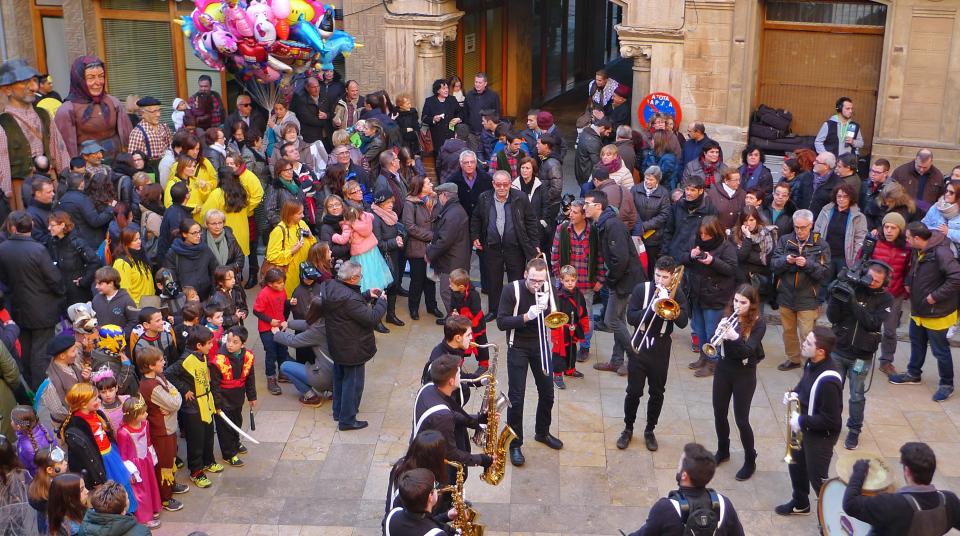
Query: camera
{"x":304,"y":233}
{"x":844,"y":287}
{"x":701,"y":256}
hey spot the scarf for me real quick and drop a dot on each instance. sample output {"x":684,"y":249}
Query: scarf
{"x":614,"y":165}
{"x":290,"y":186}
{"x":219,"y":148}
{"x":948,"y":212}
{"x":80,"y":93}
{"x":692,"y":205}
{"x":388,"y":216}
{"x":730,"y":191}
{"x":709,"y":170}
{"x":190,"y":251}
{"x":709,"y":245}
{"x":818,"y":180}
{"x":329,"y":219}
{"x":218,"y":245}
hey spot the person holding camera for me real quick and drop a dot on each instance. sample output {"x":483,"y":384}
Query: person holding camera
{"x":858,"y":304}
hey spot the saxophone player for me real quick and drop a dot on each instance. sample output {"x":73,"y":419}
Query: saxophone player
{"x":821,"y":403}
{"x":652,"y":360}
{"x":418,"y":495}
{"x":437,"y":409}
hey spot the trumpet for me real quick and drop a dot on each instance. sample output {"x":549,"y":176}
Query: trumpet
{"x":731,"y":322}
{"x":794,"y":439}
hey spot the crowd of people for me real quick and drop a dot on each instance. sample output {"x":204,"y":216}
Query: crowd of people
{"x":128,"y":247}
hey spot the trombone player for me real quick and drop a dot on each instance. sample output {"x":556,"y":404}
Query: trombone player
{"x":819,"y":420}
{"x":651,"y":342}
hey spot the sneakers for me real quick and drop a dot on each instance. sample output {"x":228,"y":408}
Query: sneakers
{"x":152,"y":524}
{"x":178,"y":462}
{"x":313,"y":401}
{"x":951,"y":331}
{"x":173,"y":505}
{"x":904,"y":379}
{"x":282,"y":378}
{"x":888,"y":369}
{"x":852,"y":441}
{"x":201,"y":481}
{"x":242,"y":449}
{"x":273,"y":386}
{"x":574,"y":373}
{"x":558,"y":381}
{"x":943,"y":393}
{"x":214,"y":468}
{"x":234,"y":461}
{"x":792,"y":509}
{"x":179,"y":488}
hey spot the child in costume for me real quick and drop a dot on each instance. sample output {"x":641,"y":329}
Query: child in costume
{"x":136,"y":449}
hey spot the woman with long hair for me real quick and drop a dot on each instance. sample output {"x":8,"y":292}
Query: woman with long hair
{"x":151,"y":216}
{"x":408,"y":119}
{"x":200,"y":175}
{"x":237,"y":138}
{"x":76,"y":261}
{"x":799,"y":180}
{"x":375,"y":142}
{"x":426,"y":451}
{"x":289,"y":243}
{"x":333,"y":181}
{"x":754,"y":244}
{"x":410,"y":165}
{"x":190,"y":260}
{"x":130,"y":259}
{"x":893,"y":198}
{"x":740,"y":351}
{"x":417,"y":216}
{"x":67,"y":502}
{"x":456,"y":89}
{"x":123,"y":218}
{"x":712,"y":268}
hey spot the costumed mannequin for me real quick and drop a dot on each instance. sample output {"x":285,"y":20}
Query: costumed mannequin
{"x":90,"y":113}
{"x":25,"y":133}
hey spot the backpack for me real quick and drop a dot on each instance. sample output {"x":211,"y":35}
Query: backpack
{"x":700,"y":517}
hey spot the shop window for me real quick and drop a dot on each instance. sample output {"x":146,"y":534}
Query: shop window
{"x":834,"y":13}
{"x":135,"y":5}
{"x":151,"y":71}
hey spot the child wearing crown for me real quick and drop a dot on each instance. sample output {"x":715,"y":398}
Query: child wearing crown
{"x":136,"y":449}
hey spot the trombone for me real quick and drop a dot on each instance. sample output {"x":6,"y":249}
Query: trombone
{"x":552,"y":320}
{"x":731,"y":322}
{"x":666,"y":308}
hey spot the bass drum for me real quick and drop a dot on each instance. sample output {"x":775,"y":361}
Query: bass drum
{"x":833,"y":520}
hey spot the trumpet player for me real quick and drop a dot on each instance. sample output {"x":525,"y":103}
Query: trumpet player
{"x":522,"y":305}
{"x":652,"y":359}
{"x":740,"y":350}
{"x":819,"y":420}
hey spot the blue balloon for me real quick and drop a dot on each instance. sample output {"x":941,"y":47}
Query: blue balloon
{"x":303,"y":31}
{"x":339,"y":43}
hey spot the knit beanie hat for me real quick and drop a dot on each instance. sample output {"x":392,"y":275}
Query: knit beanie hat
{"x":896,"y":219}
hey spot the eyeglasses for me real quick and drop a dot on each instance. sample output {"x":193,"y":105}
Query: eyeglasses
{"x":194,"y":233}
{"x":802,"y":227}
{"x":334,"y":205}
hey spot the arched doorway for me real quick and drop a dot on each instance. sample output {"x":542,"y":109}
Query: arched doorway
{"x":813,"y":52}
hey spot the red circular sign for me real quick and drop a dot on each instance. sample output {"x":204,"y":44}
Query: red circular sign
{"x":658,"y":102}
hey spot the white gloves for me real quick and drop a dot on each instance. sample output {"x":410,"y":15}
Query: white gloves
{"x":731,"y":335}
{"x":795,"y":423}
{"x":786,"y":397}
{"x":543,"y":300}
{"x":534,"y":311}
{"x":662,"y":293}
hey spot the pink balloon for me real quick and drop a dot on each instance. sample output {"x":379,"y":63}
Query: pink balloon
{"x":281,"y":8}
{"x":238,"y":21}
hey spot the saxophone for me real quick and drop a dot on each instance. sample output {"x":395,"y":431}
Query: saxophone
{"x":494,"y":445}
{"x":466,"y":520}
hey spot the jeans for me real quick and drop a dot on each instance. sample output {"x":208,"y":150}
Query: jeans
{"x":615,"y":319}
{"x":888,"y":345}
{"x":420,"y":284}
{"x":791,"y":320}
{"x":588,"y":298}
{"x":937,"y":339}
{"x":347,"y":391}
{"x":274,"y":353}
{"x":297,"y":374}
{"x":705,"y":323}
{"x":518,"y":360}
{"x":858,"y":382}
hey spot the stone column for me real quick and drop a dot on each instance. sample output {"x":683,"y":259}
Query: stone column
{"x":641,"y":77}
{"x":414,"y":50}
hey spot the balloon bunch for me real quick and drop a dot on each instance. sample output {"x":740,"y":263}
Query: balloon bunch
{"x":265,"y":41}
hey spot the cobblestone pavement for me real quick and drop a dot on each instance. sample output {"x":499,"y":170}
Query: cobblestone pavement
{"x":307,"y":478}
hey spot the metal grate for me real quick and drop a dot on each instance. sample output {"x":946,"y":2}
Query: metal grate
{"x":845,"y":13}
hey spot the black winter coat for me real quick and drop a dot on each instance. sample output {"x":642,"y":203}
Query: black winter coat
{"x":711,"y":286}
{"x":276,"y":196}
{"x":330,"y":226}
{"x":865,"y":313}
{"x":41,"y":217}
{"x":450,"y":248}
{"x":588,"y":154}
{"x":448,"y":158}
{"x":83,"y":455}
{"x":350,"y":321}
{"x":307,"y":112}
{"x":90,"y":224}
{"x":525,"y":223}
{"x":409,"y":123}
{"x":35,"y":285}
{"x":387,"y":243}
{"x":822,"y":195}
{"x":416,"y":219}
{"x":77,"y":262}
{"x":440,"y":131}
{"x":235,"y":257}
{"x":551,"y":174}
{"x":192,"y":266}
{"x":624,"y":270}
{"x":798,"y":286}
{"x":468,"y":196}
{"x":653,"y":212}
{"x":170,"y":229}
{"x":784,"y":222}
{"x":474,"y":103}
{"x":937,"y":274}
{"x":683,"y":226}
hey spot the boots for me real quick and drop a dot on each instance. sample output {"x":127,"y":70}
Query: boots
{"x":254,"y":272}
{"x":706,"y":371}
{"x":749,"y":465}
{"x":698,"y":363}
{"x":723,"y":451}
{"x":392,"y":310}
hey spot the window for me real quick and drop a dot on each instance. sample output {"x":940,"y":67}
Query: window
{"x":135,"y":5}
{"x":151,"y":71}
{"x":58,"y":66}
{"x":835,"y":13}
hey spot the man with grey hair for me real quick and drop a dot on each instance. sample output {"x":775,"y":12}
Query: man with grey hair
{"x":450,"y":247}
{"x":351,"y":316}
{"x":824,"y":181}
{"x":624,"y":143}
{"x":471,"y":181}
{"x":802,"y":261}
{"x":921,"y":179}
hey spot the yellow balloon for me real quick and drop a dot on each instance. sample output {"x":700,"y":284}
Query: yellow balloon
{"x":215,"y":11}
{"x":300,"y":6}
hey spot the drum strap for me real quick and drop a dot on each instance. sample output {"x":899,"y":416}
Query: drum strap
{"x":931,"y":521}
{"x":720,"y":500}
{"x":816,"y":383}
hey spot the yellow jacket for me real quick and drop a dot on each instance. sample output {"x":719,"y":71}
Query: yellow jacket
{"x":236,"y":221}
{"x":138,"y":284}
{"x":279,"y":245}
{"x":199,"y":186}
{"x":254,"y":188}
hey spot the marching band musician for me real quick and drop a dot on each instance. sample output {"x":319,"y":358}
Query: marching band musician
{"x":821,"y":404}
{"x":427,"y":451}
{"x":418,"y":494}
{"x":437,"y":409}
{"x":652,"y":360}
{"x":740,"y":351}
{"x":917,"y":508}
{"x":522,"y":305}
